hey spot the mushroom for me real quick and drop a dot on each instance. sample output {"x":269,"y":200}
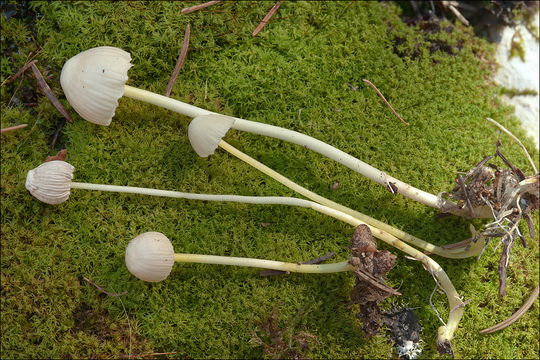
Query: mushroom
{"x":206,"y":134}
{"x":50,"y":182}
{"x":94,"y":80}
{"x":150,"y":257}
{"x":50,"y":175}
{"x":94,"y":90}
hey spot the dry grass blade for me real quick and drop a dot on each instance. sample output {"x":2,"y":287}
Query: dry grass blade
{"x":47,"y":90}
{"x":515,"y":138}
{"x":180,"y":61}
{"x":385,"y":101}
{"x":11,"y":128}
{"x":512,"y":319}
{"x":266,"y":18}
{"x":198,"y":7}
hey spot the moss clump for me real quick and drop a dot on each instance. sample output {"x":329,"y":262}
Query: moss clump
{"x":303,"y":59}
{"x":516,"y":46}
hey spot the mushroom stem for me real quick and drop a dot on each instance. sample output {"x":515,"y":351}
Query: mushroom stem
{"x":445,"y":332}
{"x":309,"y":142}
{"x":264,"y":264}
{"x":457,"y":253}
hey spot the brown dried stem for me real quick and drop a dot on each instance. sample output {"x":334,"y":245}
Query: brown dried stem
{"x":198,"y":7}
{"x":385,"y":101}
{"x":103,"y":290}
{"x":49,"y":93}
{"x":11,"y":128}
{"x":180,"y":61}
{"x":19,"y":73}
{"x":266,"y":18}
{"x":512,"y":319}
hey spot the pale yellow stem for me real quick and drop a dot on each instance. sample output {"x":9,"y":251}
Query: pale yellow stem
{"x":264,"y":264}
{"x":446,"y":332}
{"x":458,"y":253}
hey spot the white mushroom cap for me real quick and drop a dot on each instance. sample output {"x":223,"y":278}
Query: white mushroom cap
{"x":94,"y":80}
{"x":50,"y":182}
{"x":206,"y":131}
{"x":150,"y":256}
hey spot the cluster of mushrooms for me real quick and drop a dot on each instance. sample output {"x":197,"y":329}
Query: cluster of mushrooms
{"x":95,"y":79}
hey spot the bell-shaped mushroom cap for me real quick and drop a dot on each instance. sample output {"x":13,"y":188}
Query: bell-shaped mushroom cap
{"x":206,"y":131}
{"x":150,"y":256}
{"x":94,"y":80}
{"x":50,"y":182}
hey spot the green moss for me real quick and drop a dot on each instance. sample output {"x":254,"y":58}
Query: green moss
{"x":303,"y":59}
{"x":516,"y":46}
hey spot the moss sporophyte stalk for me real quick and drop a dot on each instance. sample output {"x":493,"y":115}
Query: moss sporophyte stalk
{"x":51,"y":176}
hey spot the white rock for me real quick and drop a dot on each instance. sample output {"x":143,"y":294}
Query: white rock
{"x":519,"y":75}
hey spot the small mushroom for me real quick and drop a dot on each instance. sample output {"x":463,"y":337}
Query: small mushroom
{"x":50,"y":182}
{"x":150,"y":256}
{"x":94,"y":80}
{"x":206,"y":131}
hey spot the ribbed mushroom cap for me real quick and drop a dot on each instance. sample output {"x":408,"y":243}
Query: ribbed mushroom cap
{"x":150,"y":256}
{"x":50,"y":182}
{"x":206,"y":131}
{"x":94,"y":80}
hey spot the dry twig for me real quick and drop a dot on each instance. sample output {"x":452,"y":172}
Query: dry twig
{"x":102,"y":289}
{"x":47,"y":90}
{"x":198,"y":7}
{"x":11,"y":128}
{"x":19,"y":73}
{"x":385,"y":101}
{"x":180,"y":61}
{"x":266,"y":18}
{"x":512,"y":319}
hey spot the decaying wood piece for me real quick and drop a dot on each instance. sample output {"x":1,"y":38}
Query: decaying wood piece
{"x":370,"y":265}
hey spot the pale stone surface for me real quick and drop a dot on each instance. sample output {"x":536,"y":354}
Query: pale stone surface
{"x":520,"y":75}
